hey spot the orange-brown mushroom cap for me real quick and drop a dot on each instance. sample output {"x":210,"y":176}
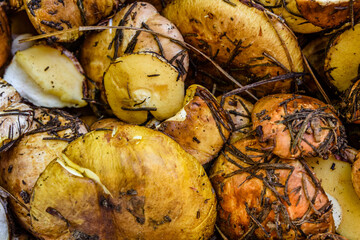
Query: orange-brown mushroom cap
{"x":296,"y":125}
{"x":267,"y":197}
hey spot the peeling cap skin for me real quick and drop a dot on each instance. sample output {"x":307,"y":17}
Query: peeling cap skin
{"x":297,"y":125}
{"x":142,"y":185}
{"x":74,"y":211}
{"x":283,"y":195}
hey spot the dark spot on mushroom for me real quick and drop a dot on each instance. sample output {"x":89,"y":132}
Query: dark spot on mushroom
{"x":25,"y":196}
{"x":132,"y":192}
{"x":52,"y":12}
{"x":57,"y":214}
{"x":153,"y":75}
{"x":83,"y":236}
{"x":135,"y":206}
{"x":167,"y":218}
{"x":34,"y":5}
{"x":332,"y":166}
{"x":259,"y":131}
{"x":196,"y":140}
{"x":260,"y":114}
{"x":52,"y":24}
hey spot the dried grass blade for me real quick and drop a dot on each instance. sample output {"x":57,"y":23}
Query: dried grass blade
{"x":4,"y":191}
{"x":322,"y":91}
{"x":259,"y":83}
{"x":268,"y":14}
{"x":220,"y":232}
